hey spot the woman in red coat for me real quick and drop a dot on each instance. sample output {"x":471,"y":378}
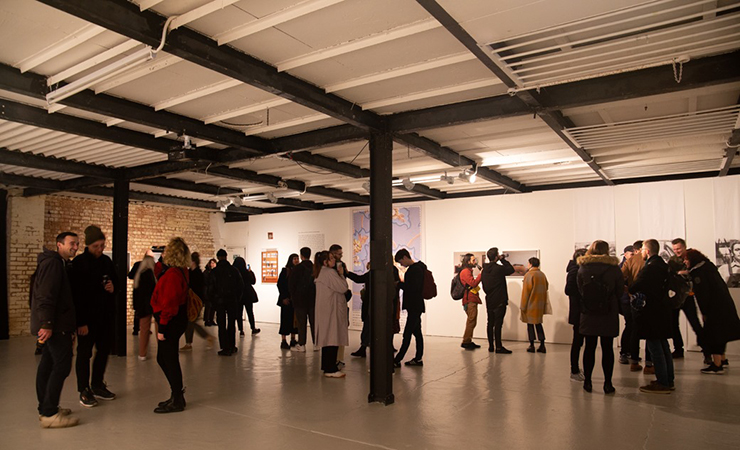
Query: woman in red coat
{"x":169,"y":303}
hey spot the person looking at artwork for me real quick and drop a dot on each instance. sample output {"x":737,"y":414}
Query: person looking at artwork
{"x":302,"y":291}
{"x":224,"y":289}
{"x":248,"y":296}
{"x":144,"y":282}
{"x":286,"y":306}
{"x":535,"y":303}
{"x":721,"y":323}
{"x":471,"y":299}
{"x":574,"y":314}
{"x":730,"y":271}
{"x":169,"y":304}
{"x":332,"y":314}
{"x":654,"y":319}
{"x":497,"y":297}
{"x":413,"y":302}
{"x":600,"y":284}
{"x":677,"y":264}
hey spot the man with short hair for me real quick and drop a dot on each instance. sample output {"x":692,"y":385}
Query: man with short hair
{"x":688,"y":307}
{"x":224,"y":289}
{"x":497,"y":297}
{"x":303,"y":296}
{"x":413,"y":303}
{"x":53,"y":321}
{"x":654,"y":320}
{"x":93,"y":289}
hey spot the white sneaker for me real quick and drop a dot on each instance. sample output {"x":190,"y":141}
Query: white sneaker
{"x":142,"y":358}
{"x":335,"y":375}
{"x":577,"y":377}
{"x":299,"y":348}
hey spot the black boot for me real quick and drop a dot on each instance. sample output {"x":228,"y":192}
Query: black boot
{"x":530,"y":349}
{"x":542,"y":348}
{"x":360,"y":353}
{"x":176,"y":403}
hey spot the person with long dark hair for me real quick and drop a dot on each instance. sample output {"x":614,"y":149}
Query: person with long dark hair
{"x":721,"y":323}
{"x":144,"y":283}
{"x":287,"y":316}
{"x":332,"y":314}
{"x":574,"y":314}
{"x":249,"y":296}
{"x":600,"y":284}
{"x":169,"y":304}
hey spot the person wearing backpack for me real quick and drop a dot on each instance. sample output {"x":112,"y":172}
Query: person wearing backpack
{"x":224,"y":289}
{"x":471,"y":299}
{"x":721,"y":323}
{"x":497,"y":297}
{"x":413,"y":303}
{"x":600,"y":284}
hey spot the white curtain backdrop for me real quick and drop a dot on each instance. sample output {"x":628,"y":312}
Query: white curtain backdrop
{"x":594,"y":215}
{"x":662,"y":211}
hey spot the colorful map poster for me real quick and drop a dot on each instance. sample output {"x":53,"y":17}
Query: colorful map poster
{"x":406,"y":234}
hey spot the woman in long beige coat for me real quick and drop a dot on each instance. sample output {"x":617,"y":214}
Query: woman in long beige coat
{"x":332,"y":314}
{"x":535,"y":303}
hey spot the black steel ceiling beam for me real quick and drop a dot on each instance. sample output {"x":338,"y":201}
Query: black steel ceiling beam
{"x":22,"y":159}
{"x":125,"y":18}
{"x":554,"y":119}
{"x":340,"y":195}
{"x":454,"y":159}
{"x":731,"y":150}
{"x":10,"y":179}
{"x":336,"y":135}
{"x":162,"y":168}
{"x":329,"y":164}
{"x":189,"y":186}
{"x":29,"y":115}
{"x":299,"y":204}
{"x":34,"y":85}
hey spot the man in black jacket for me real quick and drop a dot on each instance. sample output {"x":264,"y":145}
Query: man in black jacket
{"x":413,"y":303}
{"x":303,"y":295}
{"x":94,"y":282}
{"x":224,"y":289}
{"x":53,"y":321}
{"x":654,"y":320}
{"x":497,"y":296}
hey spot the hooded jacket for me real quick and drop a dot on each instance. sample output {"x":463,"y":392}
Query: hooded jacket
{"x":93,"y":304}
{"x":606,"y":269}
{"x":494,"y":283}
{"x":52,"y":307}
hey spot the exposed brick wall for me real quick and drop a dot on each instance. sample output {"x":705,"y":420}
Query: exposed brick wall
{"x":37,"y":221}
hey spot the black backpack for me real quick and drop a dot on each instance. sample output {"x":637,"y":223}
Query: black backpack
{"x":677,"y":289}
{"x":458,"y":288}
{"x":595,"y":295}
{"x":225,"y":285}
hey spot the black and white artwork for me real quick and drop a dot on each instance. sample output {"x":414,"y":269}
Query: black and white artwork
{"x":727,"y":259}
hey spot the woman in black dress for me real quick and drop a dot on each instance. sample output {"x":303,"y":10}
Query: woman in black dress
{"x":287,"y":326}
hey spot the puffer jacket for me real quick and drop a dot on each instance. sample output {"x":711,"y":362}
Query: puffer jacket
{"x":606,"y":269}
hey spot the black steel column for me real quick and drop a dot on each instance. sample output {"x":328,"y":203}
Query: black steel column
{"x":4,"y":313}
{"x":381,"y":271}
{"x":120,"y":250}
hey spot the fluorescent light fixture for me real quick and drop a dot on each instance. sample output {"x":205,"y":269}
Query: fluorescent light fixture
{"x":408,"y":184}
{"x":109,"y":71}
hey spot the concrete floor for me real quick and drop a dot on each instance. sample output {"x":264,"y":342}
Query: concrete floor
{"x":265,"y":398}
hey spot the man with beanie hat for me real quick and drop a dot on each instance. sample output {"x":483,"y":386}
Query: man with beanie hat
{"x":94,"y":281}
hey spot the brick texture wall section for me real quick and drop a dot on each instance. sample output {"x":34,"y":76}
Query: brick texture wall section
{"x":35,"y":222}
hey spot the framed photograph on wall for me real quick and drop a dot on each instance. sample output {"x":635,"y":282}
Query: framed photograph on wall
{"x":519,"y":259}
{"x":235,"y":252}
{"x":270,"y":266}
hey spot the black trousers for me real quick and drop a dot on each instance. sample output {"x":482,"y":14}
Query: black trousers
{"x":210,"y":312}
{"x":607,"y":357}
{"x":226,"y":320}
{"x":168,"y":354}
{"x":575,"y":349}
{"x":495,"y":321}
{"x":329,"y":359}
{"x":304,"y":317}
{"x":100,"y":337}
{"x":540,"y":332}
{"x":630,"y":341}
{"x":365,"y":334}
{"x":412,"y":328}
{"x":688,"y":308}
{"x":249,"y":306}
{"x":54,"y":368}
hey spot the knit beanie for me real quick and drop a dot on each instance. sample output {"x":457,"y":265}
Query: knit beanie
{"x":93,"y":234}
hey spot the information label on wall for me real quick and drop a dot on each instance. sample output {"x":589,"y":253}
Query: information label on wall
{"x":270,"y":266}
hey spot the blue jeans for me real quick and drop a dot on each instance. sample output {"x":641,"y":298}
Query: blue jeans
{"x":662,"y":360}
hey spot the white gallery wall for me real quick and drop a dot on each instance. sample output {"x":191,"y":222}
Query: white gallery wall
{"x":543,"y":221}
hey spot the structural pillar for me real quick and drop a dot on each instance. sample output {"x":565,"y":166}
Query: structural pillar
{"x":120,"y":262}
{"x":4,"y":313}
{"x":381,"y":270}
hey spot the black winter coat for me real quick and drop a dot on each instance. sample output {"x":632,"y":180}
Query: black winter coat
{"x":52,"y":306}
{"x":605,"y":268}
{"x":365,"y":280}
{"x":283,"y":285}
{"x":198,"y":282}
{"x":494,"y":283}
{"x":413,"y":288}
{"x":142,"y":295}
{"x":225,"y":285}
{"x":301,"y":286}
{"x":721,"y":323}
{"x":574,"y":295}
{"x":655,"y":319}
{"x":93,"y":304}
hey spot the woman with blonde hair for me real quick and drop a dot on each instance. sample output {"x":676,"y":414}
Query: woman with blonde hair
{"x":600,"y":284}
{"x":169,"y":303}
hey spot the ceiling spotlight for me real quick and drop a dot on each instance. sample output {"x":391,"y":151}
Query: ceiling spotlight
{"x":447,"y":178}
{"x":237,"y":201}
{"x":366,"y":186}
{"x":270,"y":196}
{"x":408,"y":184}
{"x":282,"y":185}
{"x":469,"y":175}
